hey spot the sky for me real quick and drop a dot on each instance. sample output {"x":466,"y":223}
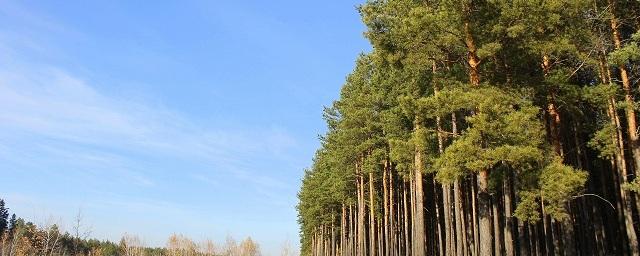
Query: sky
{"x":153,"y":118}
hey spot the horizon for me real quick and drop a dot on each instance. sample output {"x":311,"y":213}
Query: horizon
{"x":193,"y":118}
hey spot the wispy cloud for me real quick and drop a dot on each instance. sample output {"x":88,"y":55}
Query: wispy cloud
{"x":73,"y":120}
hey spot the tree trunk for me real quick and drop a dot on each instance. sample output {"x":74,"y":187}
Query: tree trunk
{"x":385,"y":206}
{"x":419,"y":248}
{"x":552,"y":111}
{"x":623,"y":195}
{"x":474,"y":217}
{"x":496,"y":230}
{"x":461,"y":240}
{"x":628,"y":98}
{"x":484,"y":214}
{"x":508,"y":224}
{"x":546,"y":227}
{"x":372,"y":222}
{"x":523,"y":239}
{"x":569,"y":240}
{"x":343,"y":230}
{"x":407,"y":247}
{"x":333,"y":238}
{"x":392,"y":227}
{"x":473,"y":60}
{"x":448,"y":246}
{"x":361,"y":250}
{"x":484,"y":198}
{"x":352,"y":232}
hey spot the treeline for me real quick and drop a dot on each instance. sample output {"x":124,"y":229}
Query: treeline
{"x":21,"y":238}
{"x":482,"y":127}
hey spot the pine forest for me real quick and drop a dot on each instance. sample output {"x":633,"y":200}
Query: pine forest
{"x":482,"y":127}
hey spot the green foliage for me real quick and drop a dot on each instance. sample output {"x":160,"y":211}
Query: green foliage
{"x":603,"y":143}
{"x":558,"y":183}
{"x":634,"y":185}
{"x":528,"y":207}
{"x":599,"y":95}
{"x":504,"y":130}
{"x":629,"y":52}
{"x":555,"y":186}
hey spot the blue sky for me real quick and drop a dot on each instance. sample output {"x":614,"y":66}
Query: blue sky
{"x":193,"y":117}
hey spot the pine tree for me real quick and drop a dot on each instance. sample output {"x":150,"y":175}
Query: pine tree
{"x":12,"y":223}
{"x":479,"y":128}
{"x":4,"y":217}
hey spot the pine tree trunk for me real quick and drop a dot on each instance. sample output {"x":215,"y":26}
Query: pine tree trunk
{"x":392,"y":227}
{"x":484,"y":214}
{"x":546,"y":228}
{"x":448,"y":247}
{"x":523,"y":239}
{"x":632,"y":133}
{"x":412,"y":213}
{"x":534,"y":235}
{"x":497,"y":230}
{"x":569,"y":240}
{"x":552,"y":111}
{"x":556,"y":236}
{"x":419,"y":230}
{"x":628,"y":97}
{"x":484,"y":198}
{"x":473,"y":61}
{"x":474,"y":217}
{"x":461,"y":240}
{"x":407,"y":241}
{"x":508,"y":225}
{"x":624,"y":215}
{"x":352,"y":232}
{"x":333,"y":238}
{"x":343,"y":230}
{"x":361,"y":251}
{"x":440,"y":244}
{"x":448,"y":224}
{"x":385,"y":206}
{"x":321,"y":242}
{"x":623,"y":195}
{"x":380,"y":236}
{"x":372,"y":222}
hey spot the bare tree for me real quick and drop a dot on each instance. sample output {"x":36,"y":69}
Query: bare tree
{"x":208,"y":247}
{"x":50,"y":235}
{"x":248,"y":247}
{"x":80,"y":230}
{"x":179,"y":245}
{"x":286,"y":249}
{"x":131,"y":245}
{"x":230,"y":247}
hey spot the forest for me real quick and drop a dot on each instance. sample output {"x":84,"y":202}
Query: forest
{"x":482,"y":127}
{"x":24,"y":238}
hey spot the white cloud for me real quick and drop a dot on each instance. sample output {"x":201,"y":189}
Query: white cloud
{"x":70,"y":119}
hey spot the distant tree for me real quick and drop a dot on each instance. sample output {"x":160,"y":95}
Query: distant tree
{"x":230,"y":247}
{"x":286,"y":249}
{"x":80,"y":231}
{"x":181,"y":245}
{"x":4,"y":217}
{"x":49,"y":237}
{"x":249,"y":248}
{"x":12,"y":223}
{"x":131,"y":245}
{"x":208,"y":247}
